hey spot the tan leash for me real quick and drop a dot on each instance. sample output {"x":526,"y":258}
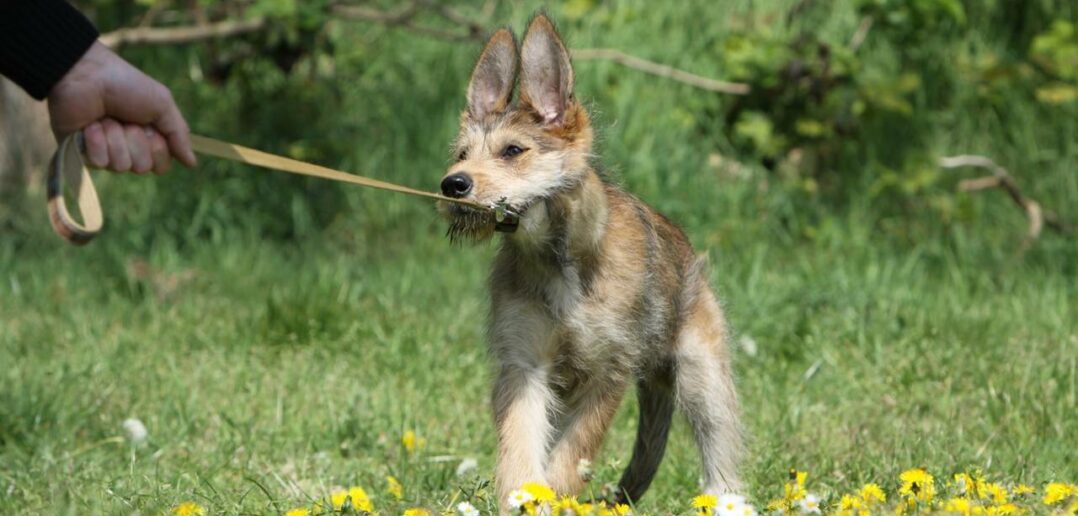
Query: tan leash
{"x":67,"y":166}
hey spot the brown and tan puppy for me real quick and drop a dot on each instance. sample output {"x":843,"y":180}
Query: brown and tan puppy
{"x":595,"y":291}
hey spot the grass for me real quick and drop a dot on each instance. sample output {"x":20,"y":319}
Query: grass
{"x":271,"y":367}
{"x":276,"y":372}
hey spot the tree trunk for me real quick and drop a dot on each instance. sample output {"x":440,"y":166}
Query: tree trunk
{"x":25,"y":141}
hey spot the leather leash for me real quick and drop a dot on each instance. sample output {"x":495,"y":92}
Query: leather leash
{"x":67,"y":166}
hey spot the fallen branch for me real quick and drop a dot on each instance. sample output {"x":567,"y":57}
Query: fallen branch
{"x":475,"y":28}
{"x":397,"y":16}
{"x":171,"y":35}
{"x":1000,"y":178}
{"x":861,"y":33}
{"x":405,"y":16}
{"x":661,"y":70}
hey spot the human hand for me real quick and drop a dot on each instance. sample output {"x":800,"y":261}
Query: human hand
{"x":130,"y":121}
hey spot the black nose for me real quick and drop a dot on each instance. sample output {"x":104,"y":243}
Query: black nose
{"x":457,"y":185}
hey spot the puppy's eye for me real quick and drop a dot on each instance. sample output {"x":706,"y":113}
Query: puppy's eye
{"x":511,"y":151}
{"x":463,"y":155}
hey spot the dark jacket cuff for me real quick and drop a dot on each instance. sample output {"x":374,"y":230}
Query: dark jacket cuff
{"x":40,"y":40}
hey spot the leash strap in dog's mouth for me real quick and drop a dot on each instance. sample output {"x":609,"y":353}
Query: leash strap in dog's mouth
{"x":67,"y":166}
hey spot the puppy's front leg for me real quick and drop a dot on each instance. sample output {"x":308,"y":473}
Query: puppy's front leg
{"x":587,"y":418}
{"x":522,"y":400}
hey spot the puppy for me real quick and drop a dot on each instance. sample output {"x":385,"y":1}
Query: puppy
{"x":593,"y":292}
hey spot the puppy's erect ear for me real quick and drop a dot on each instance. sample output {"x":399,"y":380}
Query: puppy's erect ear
{"x":492,"y":80}
{"x":546,"y":77}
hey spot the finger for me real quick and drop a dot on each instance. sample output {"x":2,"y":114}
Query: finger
{"x":97,"y":148}
{"x":162,"y":160}
{"x":172,"y":125}
{"x":119,"y":157}
{"x":138,"y":146}
{"x":141,"y":100}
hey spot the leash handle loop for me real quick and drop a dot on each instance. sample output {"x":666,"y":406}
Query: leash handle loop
{"x":67,"y":166}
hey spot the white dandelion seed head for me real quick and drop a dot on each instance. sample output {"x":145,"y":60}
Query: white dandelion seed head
{"x":135,"y":431}
{"x":467,"y":509}
{"x":810,"y":504}
{"x":748,"y":345}
{"x":583,"y":468}
{"x":466,"y":466}
{"x":519,"y":498}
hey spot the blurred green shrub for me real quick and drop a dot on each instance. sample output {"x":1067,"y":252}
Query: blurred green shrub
{"x":855,"y":120}
{"x":838,"y":110}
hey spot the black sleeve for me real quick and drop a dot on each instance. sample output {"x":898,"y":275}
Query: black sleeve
{"x":40,"y":40}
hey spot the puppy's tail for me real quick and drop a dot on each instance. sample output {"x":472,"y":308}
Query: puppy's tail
{"x":656,"y":411}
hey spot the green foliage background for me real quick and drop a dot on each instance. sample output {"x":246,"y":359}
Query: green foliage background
{"x":277,"y":334}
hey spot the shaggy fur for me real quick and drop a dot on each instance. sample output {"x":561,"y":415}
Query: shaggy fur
{"x":594,"y":292}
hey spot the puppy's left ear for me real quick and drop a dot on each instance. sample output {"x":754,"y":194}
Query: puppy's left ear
{"x":546,"y":75}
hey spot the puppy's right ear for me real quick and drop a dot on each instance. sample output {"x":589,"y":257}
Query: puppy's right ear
{"x":492,"y":81}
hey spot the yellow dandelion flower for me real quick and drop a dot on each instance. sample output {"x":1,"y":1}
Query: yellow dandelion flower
{"x":416,"y":512}
{"x":995,"y":492}
{"x":540,"y":493}
{"x":360,"y":500}
{"x":298,"y":511}
{"x":705,"y":501}
{"x":872,"y":494}
{"x":958,"y":505}
{"x":566,"y":504}
{"x":795,"y":489}
{"x":410,"y":441}
{"x":622,"y":509}
{"x":355,"y":496}
{"x":1057,"y":492}
{"x":917,"y":485}
{"x":964,"y":483}
{"x":189,"y":509}
{"x":849,"y":502}
{"x":1023,"y":489}
{"x":792,"y":493}
{"x":394,"y":487}
{"x":337,"y":498}
{"x":1006,"y":509}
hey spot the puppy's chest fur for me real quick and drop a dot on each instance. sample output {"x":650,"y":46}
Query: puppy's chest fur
{"x":613,"y":309}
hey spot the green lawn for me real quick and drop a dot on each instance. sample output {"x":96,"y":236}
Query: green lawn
{"x":271,"y":373}
{"x":272,"y":365}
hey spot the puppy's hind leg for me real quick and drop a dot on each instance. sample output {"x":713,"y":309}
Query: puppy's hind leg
{"x":704,"y":388}
{"x":656,"y":399}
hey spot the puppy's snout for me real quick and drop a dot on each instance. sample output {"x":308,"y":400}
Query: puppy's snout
{"x":457,"y":185}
